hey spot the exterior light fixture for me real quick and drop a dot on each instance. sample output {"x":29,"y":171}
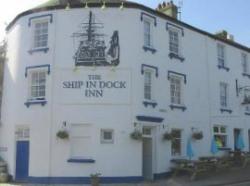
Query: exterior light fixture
{"x":67,"y":7}
{"x":122,"y":6}
{"x":103,"y":5}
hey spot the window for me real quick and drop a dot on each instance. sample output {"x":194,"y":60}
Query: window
{"x":221,"y":55}
{"x":107,"y":136}
{"x":174,"y":42}
{"x":80,"y":141}
{"x":22,"y":133}
{"x":147,"y":33}
{"x":175,"y":89}
{"x":148,"y":85}
{"x":37,"y":85}
{"x":224,"y":94}
{"x":244,"y":63}
{"x":40,"y":34}
{"x":220,"y":136}
{"x":176,"y":142}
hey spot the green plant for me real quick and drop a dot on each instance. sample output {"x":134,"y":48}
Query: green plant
{"x":62,"y":134}
{"x":168,"y":136}
{"x":136,"y":135}
{"x":197,"y":135}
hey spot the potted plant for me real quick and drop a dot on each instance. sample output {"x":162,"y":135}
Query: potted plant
{"x":197,"y":135}
{"x":95,"y":179}
{"x":62,"y":134}
{"x":136,"y":135}
{"x":168,"y":136}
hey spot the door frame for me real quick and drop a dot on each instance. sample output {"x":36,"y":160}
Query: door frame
{"x":154,"y":145}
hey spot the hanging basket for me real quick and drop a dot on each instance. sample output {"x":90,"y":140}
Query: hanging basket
{"x":136,"y":135}
{"x":62,"y":134}
{"x":168,"y":136}
{"x":197,"y":135}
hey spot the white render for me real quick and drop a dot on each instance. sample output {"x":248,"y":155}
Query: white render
{"x":117,"y":109}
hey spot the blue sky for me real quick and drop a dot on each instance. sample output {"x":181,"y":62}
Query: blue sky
{"x":215,"y":15}
{"x":208,"y":15}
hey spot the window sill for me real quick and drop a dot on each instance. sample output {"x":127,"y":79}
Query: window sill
{"x":73,"y":160}
{"x":181,"y":107}
{"x":246,"y":75}
{"x":226,"y":110}
{"x":176,"y":56}
{"x":35,"y":102}
{"x":224,"y":149}
{"x":149,"y":48}
{"x":147,"y":103}
{"x":45,"y":50}
{"x":223,"y":68}
{"x":247,"y":113}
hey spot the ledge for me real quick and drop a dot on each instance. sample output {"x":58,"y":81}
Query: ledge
{"x":181,"y":107}
{"x":149,"y":103}
{"x":223,"y":68}
{"x":226,"y":110}
{"x":45,"y":50}
{"x":149,"y":119}
{"x":173,"y":55}
{"x":72,"y":160}
{"x":246,"y":75}
{"x":146,"y":48}
{"x":224,"y":149}
{"x":35,"y":102}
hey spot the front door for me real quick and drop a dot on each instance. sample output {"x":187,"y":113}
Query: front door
{"x":236,"y":136}
{"x":22,"y":160}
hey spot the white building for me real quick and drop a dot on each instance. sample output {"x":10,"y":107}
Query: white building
{"x":103,"y":70}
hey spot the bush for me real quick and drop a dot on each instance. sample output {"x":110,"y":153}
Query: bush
{"x":197,"y":135}
{"x":63,"y":134}
{"x":168,"y":136}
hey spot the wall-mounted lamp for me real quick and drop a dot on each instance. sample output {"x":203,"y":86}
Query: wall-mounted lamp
{"x":103,"y":5}
{"x":122,"y":6}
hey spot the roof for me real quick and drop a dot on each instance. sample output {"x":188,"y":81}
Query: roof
{"x":61,"y":4}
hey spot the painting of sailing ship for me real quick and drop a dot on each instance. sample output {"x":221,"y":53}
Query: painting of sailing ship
{"x":91,"y":47}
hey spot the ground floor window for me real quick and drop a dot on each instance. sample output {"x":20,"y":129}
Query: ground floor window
{"x":107,"y":136}
{"x":176,"y":142}
{"x":220,"y":136}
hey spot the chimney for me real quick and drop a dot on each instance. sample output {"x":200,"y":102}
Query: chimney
{"x":169,"y":9}
{"x":224,"y":35}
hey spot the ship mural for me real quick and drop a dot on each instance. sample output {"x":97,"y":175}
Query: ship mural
{"x":91,"y":47}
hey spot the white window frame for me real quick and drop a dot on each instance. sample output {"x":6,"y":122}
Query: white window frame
{"x":221,"y":55}
{"x":34,"y":23}
{"x":107,"y":141}
{"x":174,"y":99}
{"x":37,"y":84}
{"x":245,"y":65}
{"x":148,"y":85}
{"x":180,"y":141}
{"x":173,"y":42}
{"x":220,"y":133}
{"x":148,"y":42}
{"x":224,"y":95}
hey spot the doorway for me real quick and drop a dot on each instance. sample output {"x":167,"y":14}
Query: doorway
{"x":147,"y":146}
{"x":236,"y":136}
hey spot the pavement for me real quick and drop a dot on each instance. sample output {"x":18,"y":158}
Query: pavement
{"x":232,"y":177}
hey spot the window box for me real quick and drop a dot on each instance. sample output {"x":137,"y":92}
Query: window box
{"x":80,"y":160}
{"x":223,"y":68}
{"x":149,"y":48}
{"x":226,"y":110}
{"x":173,"y":55}
{"x":45,"y":50}
{"x":181,"y":107}
{"x":35,"y":102}
{"x":149,"y":103}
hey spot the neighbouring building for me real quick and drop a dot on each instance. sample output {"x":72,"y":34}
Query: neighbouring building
{"x":82,"y":76}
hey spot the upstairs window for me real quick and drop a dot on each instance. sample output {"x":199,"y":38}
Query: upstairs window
{"x":148,"y":85}
{"x":40,"y":34}
{"x":221,"y":55}
{"x":147,"y":33}
{"x":37,"y":90}
{"x":224,"y":95}
{"x":175,"y":89}
{"x":174,"y":42}
{"x":244,"y":63}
